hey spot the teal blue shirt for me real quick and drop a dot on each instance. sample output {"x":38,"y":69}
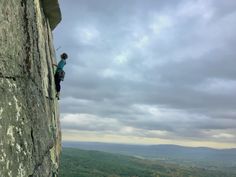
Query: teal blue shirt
{"x":61,"y":65}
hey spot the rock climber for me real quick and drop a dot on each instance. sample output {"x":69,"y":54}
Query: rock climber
{"x":60,"y":73}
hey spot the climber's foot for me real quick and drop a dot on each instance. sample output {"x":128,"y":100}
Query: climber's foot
{"x":58,"y":95}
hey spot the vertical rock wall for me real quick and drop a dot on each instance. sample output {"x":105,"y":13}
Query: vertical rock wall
{"x":29,"y":120}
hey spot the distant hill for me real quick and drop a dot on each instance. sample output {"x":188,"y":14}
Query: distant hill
{"x":84,"y":163}
{"x":191,"y":156}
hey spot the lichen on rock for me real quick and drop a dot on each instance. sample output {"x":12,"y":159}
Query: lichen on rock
{"x":30,"y":135}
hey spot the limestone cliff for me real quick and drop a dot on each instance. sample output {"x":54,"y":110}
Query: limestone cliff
{"x":29,"y":120}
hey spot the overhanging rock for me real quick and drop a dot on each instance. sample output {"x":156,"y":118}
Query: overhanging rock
{"x":52,"y":11}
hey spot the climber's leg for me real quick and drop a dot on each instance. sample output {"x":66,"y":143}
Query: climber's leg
{"x":58,"y":85}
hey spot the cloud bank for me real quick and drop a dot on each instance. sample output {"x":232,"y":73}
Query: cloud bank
{"x":150,"y":69}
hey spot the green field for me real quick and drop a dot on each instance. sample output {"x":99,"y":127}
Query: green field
{"x":83,"y":163}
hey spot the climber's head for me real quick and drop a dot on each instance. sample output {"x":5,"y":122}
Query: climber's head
{"x":64,"y":56}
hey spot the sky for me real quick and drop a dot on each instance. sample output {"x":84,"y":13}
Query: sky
{"x":149,"y":72}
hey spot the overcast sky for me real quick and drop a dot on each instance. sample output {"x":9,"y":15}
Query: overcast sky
{"x":149,"y":72}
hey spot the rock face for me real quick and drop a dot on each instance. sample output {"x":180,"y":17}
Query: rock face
{"x":30,"y":140}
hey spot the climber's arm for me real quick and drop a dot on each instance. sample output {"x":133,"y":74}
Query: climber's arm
{"x":54,"y":64}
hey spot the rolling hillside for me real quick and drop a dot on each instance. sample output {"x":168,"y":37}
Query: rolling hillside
{"x":202,"y":157}
{"x":83,"y":163}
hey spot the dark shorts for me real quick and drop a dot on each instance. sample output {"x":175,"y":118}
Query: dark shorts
{"x":57,"y":82}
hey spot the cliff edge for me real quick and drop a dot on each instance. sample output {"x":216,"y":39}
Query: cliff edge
{"x":30,"y":139}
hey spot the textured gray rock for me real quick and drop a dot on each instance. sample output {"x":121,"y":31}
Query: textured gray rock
{"x":29,"y":121}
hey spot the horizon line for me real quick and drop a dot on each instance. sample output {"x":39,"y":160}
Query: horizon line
{"x":138,"y":144}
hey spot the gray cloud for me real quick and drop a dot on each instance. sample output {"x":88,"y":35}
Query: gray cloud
{"x":127,"y":58}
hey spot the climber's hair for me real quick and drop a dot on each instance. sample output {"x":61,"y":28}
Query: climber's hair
{"x":64,"y":56}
